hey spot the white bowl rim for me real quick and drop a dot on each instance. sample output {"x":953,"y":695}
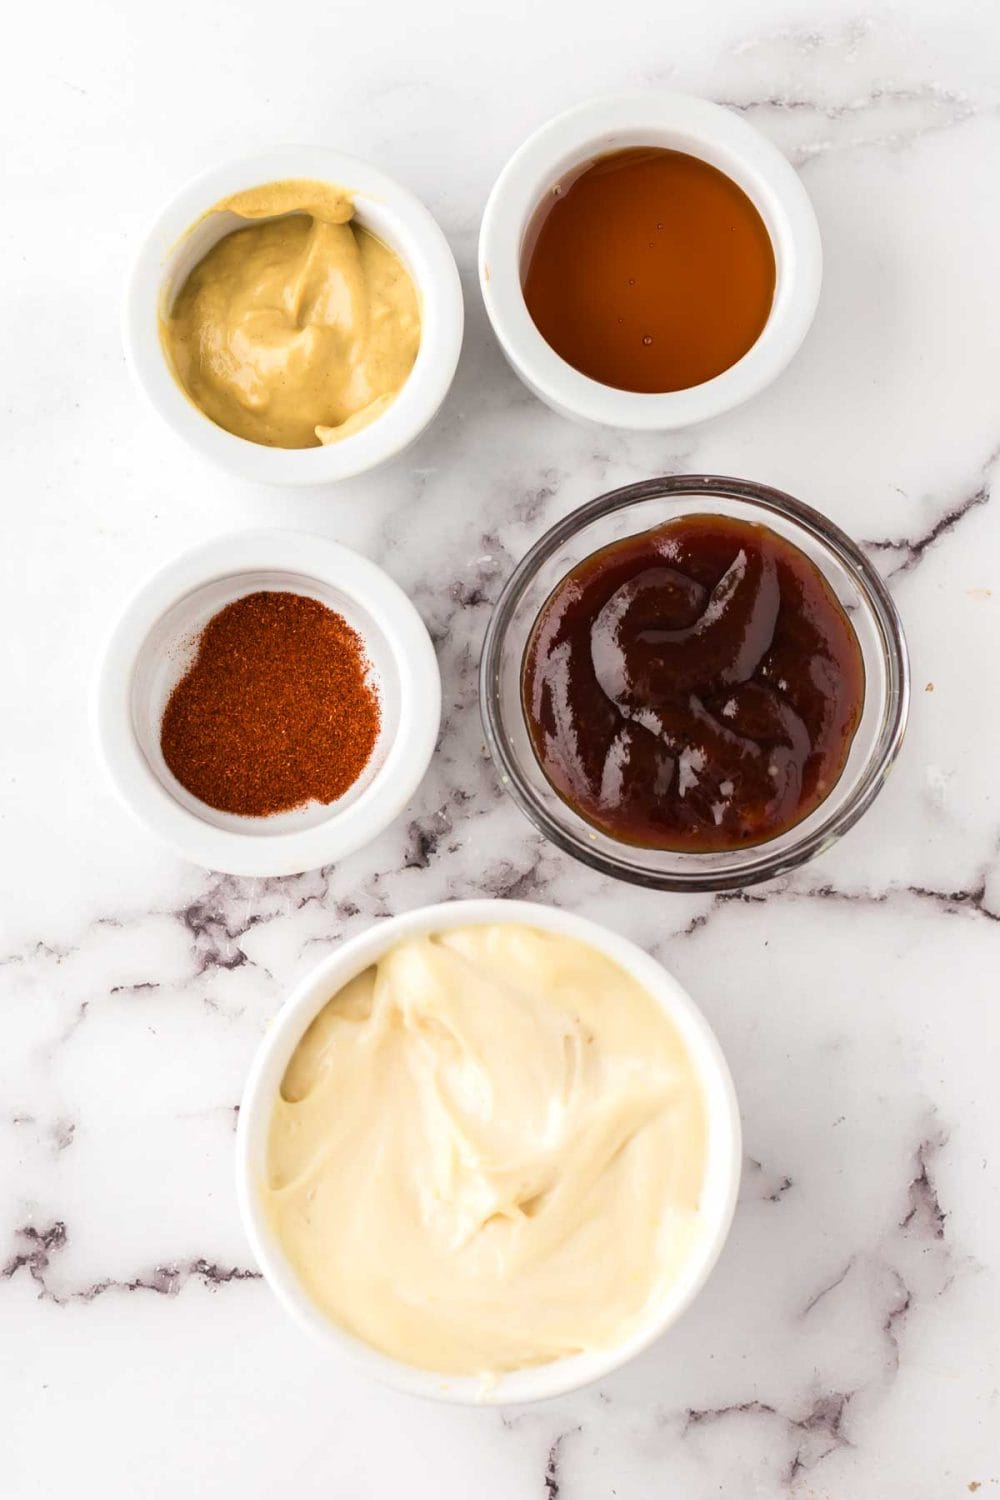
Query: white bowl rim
{"x":429,"y":260}
{"x":585,"y":130}
{"x":295,"y":851}
{"x":268,"y":1067}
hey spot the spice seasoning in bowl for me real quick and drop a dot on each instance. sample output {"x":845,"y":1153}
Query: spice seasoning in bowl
{"x":268,"y":703}
{"x":276,"y":710}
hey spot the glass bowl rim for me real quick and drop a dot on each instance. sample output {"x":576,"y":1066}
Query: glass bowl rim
{"x":833,"y":540}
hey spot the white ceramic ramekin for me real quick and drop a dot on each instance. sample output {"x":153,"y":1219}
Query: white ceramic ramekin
{"x":679,"y":122}
{"x":267,"y":1070}
{"x":152,"y":645}
{"x":183,"y":235}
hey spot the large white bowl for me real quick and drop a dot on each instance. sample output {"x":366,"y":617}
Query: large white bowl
{"x":184,"y":233}
{"x":679,"y":122}
{"x":152,"y":644}
{"x":303,"y":1005}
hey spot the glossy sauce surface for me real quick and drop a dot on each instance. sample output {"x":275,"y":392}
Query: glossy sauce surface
{"x":649,"y":270}
{"x":694,"y":687}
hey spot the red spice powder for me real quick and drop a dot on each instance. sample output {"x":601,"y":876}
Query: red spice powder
{"x":275,"y":711}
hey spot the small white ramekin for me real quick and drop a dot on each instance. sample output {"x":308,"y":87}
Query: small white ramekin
{"x":679,"y":122}
{"x":268,"y":1068}
{"x":152,"y":644}
{"x":184,"y":233}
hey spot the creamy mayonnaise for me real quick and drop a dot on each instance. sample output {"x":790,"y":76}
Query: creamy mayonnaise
{"x":299,"y":329}
{"x":488,"y":1152}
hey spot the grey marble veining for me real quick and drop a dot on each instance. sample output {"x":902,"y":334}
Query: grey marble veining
{"x":846,"y":1346}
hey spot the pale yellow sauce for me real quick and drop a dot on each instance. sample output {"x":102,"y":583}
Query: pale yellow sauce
{"x":488,"y":1152}
{"x":299,"y":329}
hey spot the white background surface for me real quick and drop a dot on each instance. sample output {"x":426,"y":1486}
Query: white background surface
{"x":846,"y":1346}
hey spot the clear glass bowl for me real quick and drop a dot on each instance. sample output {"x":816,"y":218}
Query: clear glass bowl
{"x":636,"y":508}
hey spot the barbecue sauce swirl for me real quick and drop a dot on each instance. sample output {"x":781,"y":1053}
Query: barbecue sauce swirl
{"x":695,"y":687}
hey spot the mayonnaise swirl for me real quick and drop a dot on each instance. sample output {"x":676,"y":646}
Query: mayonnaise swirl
{"x":488,"y":1152}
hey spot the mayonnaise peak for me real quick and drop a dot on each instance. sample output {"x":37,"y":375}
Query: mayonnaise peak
{"x":488,"y":1152}
{"x":298,"y":329}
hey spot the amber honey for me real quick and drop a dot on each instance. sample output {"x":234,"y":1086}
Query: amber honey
{"x":649,"y":270}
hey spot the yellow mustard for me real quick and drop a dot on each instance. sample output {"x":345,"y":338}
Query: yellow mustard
{"x":488,"y":1152}
{"x":298,"y":329}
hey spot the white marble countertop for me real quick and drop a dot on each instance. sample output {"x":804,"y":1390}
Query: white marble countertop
{"x":846,"y":1346}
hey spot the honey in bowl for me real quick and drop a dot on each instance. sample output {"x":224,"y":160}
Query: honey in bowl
{"x":695,"y":687}
{"x":648,"y":270}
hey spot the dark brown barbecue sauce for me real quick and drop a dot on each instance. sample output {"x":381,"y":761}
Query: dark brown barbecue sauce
{"x":695,"y":687}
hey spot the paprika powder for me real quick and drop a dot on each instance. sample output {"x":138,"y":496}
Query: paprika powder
{"x":277,"y":709}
